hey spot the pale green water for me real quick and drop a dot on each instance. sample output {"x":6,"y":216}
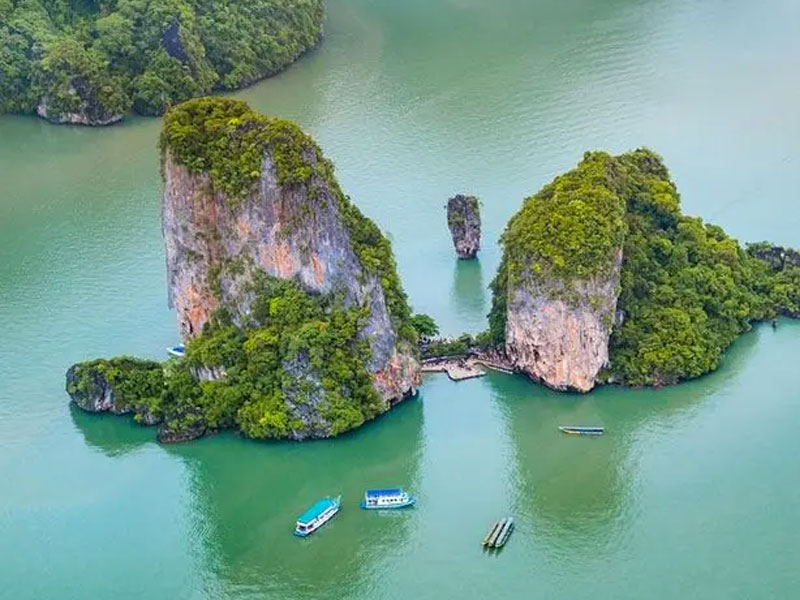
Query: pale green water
{"x":693,"y":493}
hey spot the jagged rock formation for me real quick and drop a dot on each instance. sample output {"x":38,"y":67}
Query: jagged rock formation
{"x":603,"y":279}
{"x":555,"y":294}
{"x":301,"y":231}
{"x":87,"y":109}
{"x":464,"y":221}
{"x":777,"y":257}
{"x":120,"y":386}
{"x":288,"y":297}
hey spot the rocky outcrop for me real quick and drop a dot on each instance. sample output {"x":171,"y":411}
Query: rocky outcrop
{"x":561,"y":339}
{"x":555,"y":294}
{"x":776,"y":257}
{"x":88,"y":110}
{"x":120,"y":386}
{"x":302,"y":231}
{"x":95,"y":395}
{"x":464,"y":222}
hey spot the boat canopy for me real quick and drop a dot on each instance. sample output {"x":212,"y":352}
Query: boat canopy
{"x":315,"y":511}
{"x":384,"y":492}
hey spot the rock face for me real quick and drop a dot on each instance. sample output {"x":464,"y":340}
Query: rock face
{"x":98,"y":396}
{"x":120,"y":386}
{"x":216,"y":245}
{"x":563,"y":341}
{"x":464,"y":221}
{"x":555,"y":294}
{"x":776,"y":257}
{"x":88,"y":111}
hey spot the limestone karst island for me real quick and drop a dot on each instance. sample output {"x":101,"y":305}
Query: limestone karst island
{"x":365,"y":299}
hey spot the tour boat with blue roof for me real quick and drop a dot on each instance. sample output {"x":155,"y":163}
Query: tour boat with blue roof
{"x":387,"y":498}
{"x":178,"y":351}
{"x":316,"y":516}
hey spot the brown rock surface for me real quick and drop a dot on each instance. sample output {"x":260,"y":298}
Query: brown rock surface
{"x":464,"y":222}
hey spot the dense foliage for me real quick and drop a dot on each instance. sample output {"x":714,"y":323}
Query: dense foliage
{"x":425,"y":326}
{"x":137,"y":384}
{"x":102,"y":57}
{"x":227,"y":140}
{"x":297,"y":369}
{"x":687,"y":289}
{"x":301,"y":351}
{"x":569,"y":229}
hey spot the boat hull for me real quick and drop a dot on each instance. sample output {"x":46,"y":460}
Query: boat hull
{"x":406,"y":504}
{"x":582,"y":430}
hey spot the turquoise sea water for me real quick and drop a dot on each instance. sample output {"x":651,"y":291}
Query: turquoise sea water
{"x":692,"y":493}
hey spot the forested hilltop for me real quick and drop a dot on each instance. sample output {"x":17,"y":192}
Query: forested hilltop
{"x":604,"y":279}
{"x":92,"y":61}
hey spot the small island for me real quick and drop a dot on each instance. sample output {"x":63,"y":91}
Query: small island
{"x":604,"y":280}
{"x":296,"y":323}
{"x":90,"y":64}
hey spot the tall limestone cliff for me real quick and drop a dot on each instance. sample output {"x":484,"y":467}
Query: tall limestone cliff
{"x":555,"y":293}
{"x":295,"y":322}
{"x":246,"y":194}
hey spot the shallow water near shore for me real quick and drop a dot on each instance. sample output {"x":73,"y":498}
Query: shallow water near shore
{"x":692,"y":492}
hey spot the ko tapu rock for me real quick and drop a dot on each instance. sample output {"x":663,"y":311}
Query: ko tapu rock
{"x":464,"y":222}
{"x":288,"y":297}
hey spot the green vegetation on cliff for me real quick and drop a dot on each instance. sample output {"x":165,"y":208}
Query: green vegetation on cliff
{"x":298,"y":368}
{"x":137,"y":384}
{"x":570,"y":230}
{"x":301,"y":351}
{"x":104,"y":57}
{"x":687,"y":289}
{"x":228,"y":141}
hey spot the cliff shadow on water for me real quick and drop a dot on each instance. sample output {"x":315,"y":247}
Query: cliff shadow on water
{"x":108,"y":433}
{"x":583,"y":488}
{"x":248,"y":494}
{"x":468,"y":295}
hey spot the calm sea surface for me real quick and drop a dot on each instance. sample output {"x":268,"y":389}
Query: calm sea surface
{"x":694,"y":492}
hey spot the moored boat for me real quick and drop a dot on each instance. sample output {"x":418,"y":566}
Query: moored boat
{"x":178,"y":351}
{"x":504,"y":534}
{"x":315,"y":517}
{"x":499,"y":533}
{"x":576,"y":430}
{"x":387,"y":498}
